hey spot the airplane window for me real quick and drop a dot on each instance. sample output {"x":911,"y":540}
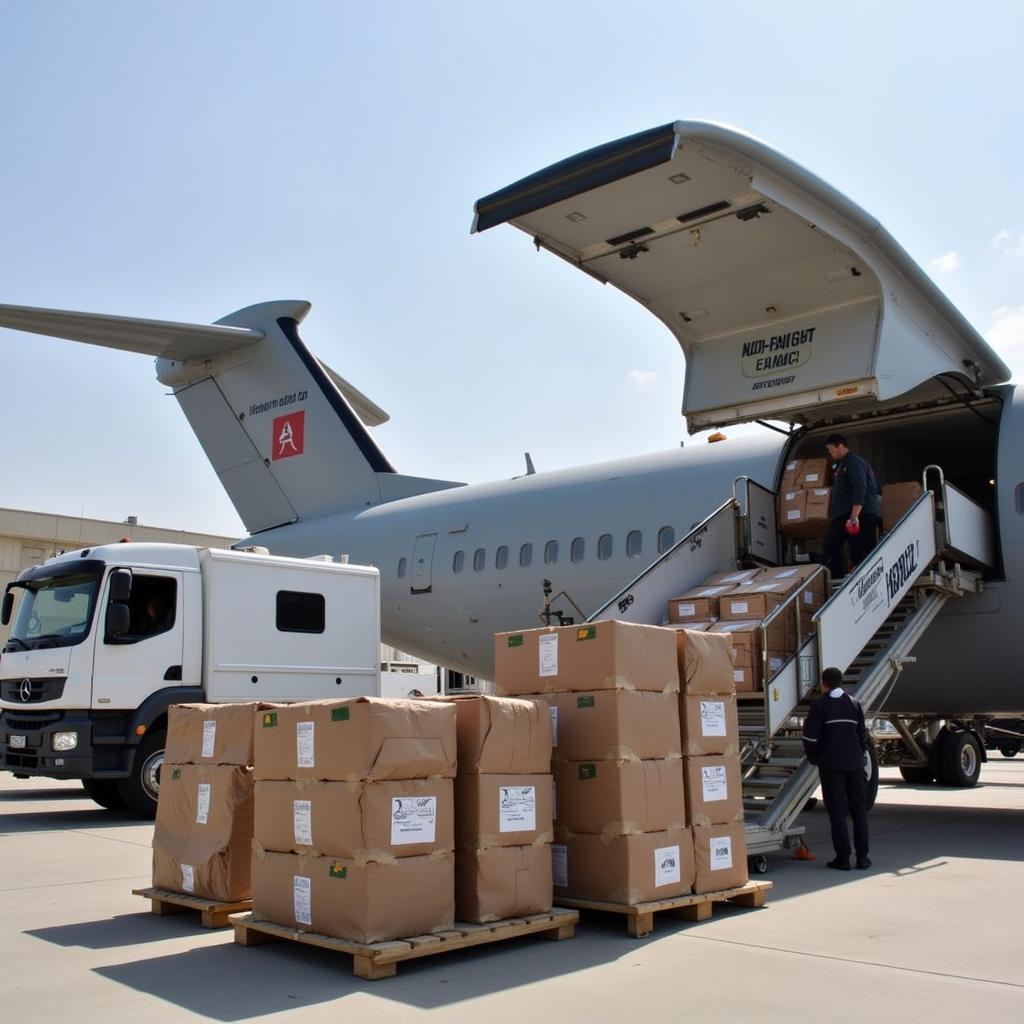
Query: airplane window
{"x":604,"y":546}
{"x":458,"y":561}
{"x":525,"y":555}
{"x":551,"y":552}
{"x":501,"y":557}
{"x":577,"y":549}
{"x":634,"y":543}
{"x":401,"y":568}
{"x":666,"y":538}
{"x":479,"y":557}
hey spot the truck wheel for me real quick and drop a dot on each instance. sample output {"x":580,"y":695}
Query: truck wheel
{"x":871,"y":775}
{"x":917,"y":775}
{"x":961,"y":760}
{"x":142,"y":788}
{"x":105,"y":792}
{"x":757,"y":864}
{"x":1010,"y":749}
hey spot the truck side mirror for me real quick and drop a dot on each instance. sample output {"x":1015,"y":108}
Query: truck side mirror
{"x":5,"y":613}
{"x":118,"y":617}
{"x":120,"y":585}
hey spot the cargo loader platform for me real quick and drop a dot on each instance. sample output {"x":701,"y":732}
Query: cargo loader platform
{"x":695,"y":907}
{"x":378,"y":960}
{"x":214,"y":913}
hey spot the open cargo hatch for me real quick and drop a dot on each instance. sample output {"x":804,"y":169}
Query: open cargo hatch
{"x":784,"y":295}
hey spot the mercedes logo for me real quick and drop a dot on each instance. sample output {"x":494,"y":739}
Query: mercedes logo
{"x":25,"y":690}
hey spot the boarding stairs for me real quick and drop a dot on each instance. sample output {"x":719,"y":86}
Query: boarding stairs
{"x":868,"y":626}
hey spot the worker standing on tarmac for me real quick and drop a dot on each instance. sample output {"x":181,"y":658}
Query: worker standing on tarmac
{"x":853,"y":507}
{"x":835,"y":739}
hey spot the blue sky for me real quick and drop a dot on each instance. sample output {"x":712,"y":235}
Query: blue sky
{"x":180,"y":161}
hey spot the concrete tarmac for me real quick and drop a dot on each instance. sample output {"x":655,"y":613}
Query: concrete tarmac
{"x":931,"y":932}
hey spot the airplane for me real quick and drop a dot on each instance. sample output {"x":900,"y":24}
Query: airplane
{"x":792,"y":306}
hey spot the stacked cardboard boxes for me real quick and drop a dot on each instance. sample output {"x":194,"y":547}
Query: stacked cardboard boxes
{"x":896,"y":501}
{"x":503,"y":809}
{"x":354,"y":821}
{"x":710,"y":733}
{"x":613,"y":690}
{"x":803,"y":498}
{"x":204,"y":818}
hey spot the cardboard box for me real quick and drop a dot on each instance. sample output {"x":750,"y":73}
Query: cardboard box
{"x":371,"y":902}
{"x":699,"y":605}
{"x":612,"y":798}
{"x":748,"y":671}
{"x":606,"y":655}
{"x":694,"y":627}
{"x":503,"y":810}
{"x":502,"y":882}
{"x":710,"y":724}
{"x":614,"y":725}
{"x":750,"y":603}
{"x":806,"y":516}
{"x":203,"y":832}
{"x":796,"y":573}
{"x":624,"y":869}
{"x":503,"y":735}
{"x":804,"y":473}
{"x":897,"y":500}
{"x":361,"y":738}
{"x":746,"y":634}
{"x":714,"y":794}
{"x":732,"y":577}
{"x":211,"y":733}
{"x":361,"y":820}
{"x":705,"y":661}
{"x":720,"y":853}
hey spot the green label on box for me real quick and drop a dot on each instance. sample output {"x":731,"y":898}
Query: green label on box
{"x":585,"y":702}
{"x":269,"y":719}
{"x":589,"y":633}
{"x":176,"y":774}
{"x":516,"y":641}
{"x":338,"y":870}
{"x":588,"y":771}
{"x":339,"y":714}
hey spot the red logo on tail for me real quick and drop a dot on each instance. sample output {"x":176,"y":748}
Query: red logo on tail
{"x":288,"y":435}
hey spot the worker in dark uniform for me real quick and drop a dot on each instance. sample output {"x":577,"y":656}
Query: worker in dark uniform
{"x":853,"y":508}
{"x":835,"y":739}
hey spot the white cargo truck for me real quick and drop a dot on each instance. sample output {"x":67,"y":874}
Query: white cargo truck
{"x":105,"y":639}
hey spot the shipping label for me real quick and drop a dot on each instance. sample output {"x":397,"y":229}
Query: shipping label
{"x":739,"y":607}
{"x":712,"y":718}
{"x":685,"y":608}
{"x":737,"y":675}
{"x":302,"y":822}
{"x":304,"y":744}
{"x":547,"y":648}
{"x":793,"y":513}
{"x":188,"y":878}
{"x":413,"y":819}
{"x":714,"y":784}
{"x":202,"y":803}
{"x":302,"y":892}
{"x":667,"y":869}
{"x":559,"y":865}
{"x":720,"y":858}
{"x":517,"y":808}
{"x":209,"y":737}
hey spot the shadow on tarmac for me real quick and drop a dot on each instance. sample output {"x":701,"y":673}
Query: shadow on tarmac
{"x":90,"y":816}
{"x":114,"y":932}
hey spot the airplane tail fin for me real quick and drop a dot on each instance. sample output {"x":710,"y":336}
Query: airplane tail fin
{"x":286,"y":435}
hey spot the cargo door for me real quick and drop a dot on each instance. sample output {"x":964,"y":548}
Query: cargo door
{"x":423,"y":563}
{"x":786,"y":298}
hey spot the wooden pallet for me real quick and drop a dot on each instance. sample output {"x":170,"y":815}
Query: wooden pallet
{"x":380,"y":959}
{"x":697,"y":907}
{"x":214,"y":913}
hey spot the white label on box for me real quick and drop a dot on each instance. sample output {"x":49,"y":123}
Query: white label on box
{"x":559,"y":865}
{"x":302,"y":891}
{"x":792,"y":465}
{"x":667,"y":869}
{"x":737,"y":675}
{"x":685,"y":608}
{"x":302,"y":822}
{"x":202,"y":803}
{"x":739,"y":607}
{"x":413,"y":819}
{"x":775,"y":664}
{"x":712,"y":718}
{"x":720,"y":856}
{"x":821,"y":492}
{"x":517,"y":809}
{"x":304,"y":744}
{"x":786,"y":574}
{"x":790,"y":495}
{"x":188,"y":878}
{"x":713,"y":783}
{"x":808,"y":597}
{"x":554,"y":725}
{"x":547,"y":648}
{"x":209,"y":737}
{"x":811,"y":478}
{"x":793,"y":513}
{"x":737,"y":577}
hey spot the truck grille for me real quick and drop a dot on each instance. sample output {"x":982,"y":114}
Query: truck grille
{"x":50,"y":688}
{"x":29,"y":721}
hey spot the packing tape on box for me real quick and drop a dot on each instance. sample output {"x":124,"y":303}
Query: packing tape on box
{"x":696,"y":749}
{"x":494,"y":841}
{"x":616,"y":829}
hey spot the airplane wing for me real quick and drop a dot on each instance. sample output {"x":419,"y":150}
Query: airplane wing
{"x":165,"y":339}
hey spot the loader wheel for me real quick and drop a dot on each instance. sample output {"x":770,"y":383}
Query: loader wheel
{"x":961,"y":760}
{"x":917,"y":775}
{"x":105,"y":792}
{"x":142,"y":788}
{"x":1010,"y":749}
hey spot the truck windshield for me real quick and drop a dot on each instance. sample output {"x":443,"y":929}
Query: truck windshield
{"x":54,"y":611}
